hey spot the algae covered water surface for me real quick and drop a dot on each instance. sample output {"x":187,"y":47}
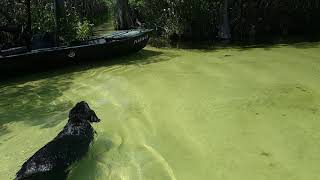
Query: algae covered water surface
{"x":167,"y":114}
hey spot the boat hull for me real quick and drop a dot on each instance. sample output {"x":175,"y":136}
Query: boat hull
{"x":97,"y":49}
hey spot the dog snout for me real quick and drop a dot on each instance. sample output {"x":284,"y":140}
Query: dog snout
{"x":96,"y":120}
{"x":94,"y":117}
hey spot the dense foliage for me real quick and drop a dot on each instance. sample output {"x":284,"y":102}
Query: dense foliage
{"x":186,"y":19}
{"x":202,"y":18}
{"x":274,"y":17}
{"x":11,"y":12}
{"x":192,"y":18}
{"x":79,"y":15}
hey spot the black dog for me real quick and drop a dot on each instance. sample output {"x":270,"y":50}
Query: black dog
{"x":72,"y":143}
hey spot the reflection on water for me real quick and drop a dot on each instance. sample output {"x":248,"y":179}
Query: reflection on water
{"x":19,"y":102}
{"x":245,"y":113}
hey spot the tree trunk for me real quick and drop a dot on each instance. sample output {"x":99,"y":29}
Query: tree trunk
{"x":123,"y":20}
{"x":224,"y":29}
{"x":60,"y":18}
{"x":29,"y":28}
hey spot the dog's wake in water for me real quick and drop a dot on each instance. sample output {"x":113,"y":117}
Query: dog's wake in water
{"x":54,"y":159}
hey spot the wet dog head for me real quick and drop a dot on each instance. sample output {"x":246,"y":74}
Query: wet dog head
{"x":82,"y":111}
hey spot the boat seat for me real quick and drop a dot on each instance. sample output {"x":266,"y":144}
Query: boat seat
{"x":13,"y":51}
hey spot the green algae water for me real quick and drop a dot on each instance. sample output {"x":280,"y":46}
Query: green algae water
{"x":169,"y":114}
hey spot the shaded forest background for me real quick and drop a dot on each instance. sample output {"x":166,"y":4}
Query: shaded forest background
{"x":202,"y":19}
{"x":172,"y":19}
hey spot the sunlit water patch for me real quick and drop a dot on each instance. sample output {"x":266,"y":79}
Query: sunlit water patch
{"x":232,"y":113}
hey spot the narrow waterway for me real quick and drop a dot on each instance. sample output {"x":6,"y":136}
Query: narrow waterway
{"x":169,"y":114}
